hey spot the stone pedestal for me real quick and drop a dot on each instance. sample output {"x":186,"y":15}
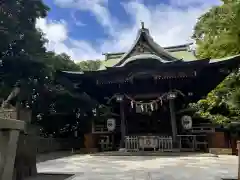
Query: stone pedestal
{"x":9,"y":133}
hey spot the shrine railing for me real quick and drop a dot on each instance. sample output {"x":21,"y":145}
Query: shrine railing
{"x":142,"y":143}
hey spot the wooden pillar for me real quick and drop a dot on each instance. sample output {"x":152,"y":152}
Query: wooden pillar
{"x":173,"y":120}
{"x":171,"y":97}
{"x":123,"y":127}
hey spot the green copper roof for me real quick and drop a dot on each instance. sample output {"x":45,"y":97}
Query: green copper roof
{"x":113,"y":58}
{"x":144,"y":47}
{"x":185,"y":55}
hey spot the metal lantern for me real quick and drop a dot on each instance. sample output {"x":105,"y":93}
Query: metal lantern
{"x":119,"y":98}
{"x":171,"y":95}
{"x":111,"y":124}
{"x":190,"y":94}
{"x":186,"y":122}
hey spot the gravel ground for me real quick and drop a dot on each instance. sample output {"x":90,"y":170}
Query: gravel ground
{"x":86,"y":167}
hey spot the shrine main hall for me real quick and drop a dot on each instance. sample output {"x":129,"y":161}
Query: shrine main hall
{"x":147,"y":91}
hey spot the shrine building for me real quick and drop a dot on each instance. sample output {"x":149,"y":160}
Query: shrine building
{"x":147,"y":90}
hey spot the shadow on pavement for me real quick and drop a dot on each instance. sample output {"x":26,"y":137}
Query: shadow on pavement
{"x":44,"y":176}
{"x":53,"y":155}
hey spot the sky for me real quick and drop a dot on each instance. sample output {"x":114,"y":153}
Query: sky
{"x":85,"y":29}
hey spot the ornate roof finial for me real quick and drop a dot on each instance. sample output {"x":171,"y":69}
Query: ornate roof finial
{"x":142,"y":24}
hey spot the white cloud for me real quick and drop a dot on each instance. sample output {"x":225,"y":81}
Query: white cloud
{"x":55,"y":31}
{"x":76,"y":21}
{"x":169,"y":24}
{"x":60,"y":42}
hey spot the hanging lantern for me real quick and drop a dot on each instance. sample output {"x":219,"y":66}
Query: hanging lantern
{"x":171,"y":95}
{"x":190,"y":94}
{"x":111,"y":124}
{"x":119,"y":98}
{"x":186,"y":122}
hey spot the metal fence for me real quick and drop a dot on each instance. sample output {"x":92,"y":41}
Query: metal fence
{"x":157,"y":143}
{"x":165,"y":144}
{"x":132,"y":143}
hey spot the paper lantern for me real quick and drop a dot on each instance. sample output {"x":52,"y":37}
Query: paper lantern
{"x":111,"y":124}
{"x":186,"y":122}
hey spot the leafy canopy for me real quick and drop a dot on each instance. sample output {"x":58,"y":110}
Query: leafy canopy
{"x":217,"y":34}
{"x":24,"y":60}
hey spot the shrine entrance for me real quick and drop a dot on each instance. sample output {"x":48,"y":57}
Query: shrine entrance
{"x":148,"y":118}
{"x":148,"y":125}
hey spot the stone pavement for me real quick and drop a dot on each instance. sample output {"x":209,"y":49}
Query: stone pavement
{"x":86,"y":167}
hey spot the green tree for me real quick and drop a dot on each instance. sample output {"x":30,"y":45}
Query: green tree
{"x":217,"y":35}
{"x":90,"y":65}
{"x":27,"y":71}
{"x":61,"y":62}
{"x":217,"y":31}
{"x":21,"y":45}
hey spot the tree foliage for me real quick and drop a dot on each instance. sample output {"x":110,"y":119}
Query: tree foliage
{"x":217,"y":34}
{"x":90,"y":65}
{"x":25,"y":61}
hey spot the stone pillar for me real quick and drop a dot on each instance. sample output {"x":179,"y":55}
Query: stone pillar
{"x":9,"y":133}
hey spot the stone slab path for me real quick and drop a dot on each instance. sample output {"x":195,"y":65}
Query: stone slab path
{"x":86,"y":167}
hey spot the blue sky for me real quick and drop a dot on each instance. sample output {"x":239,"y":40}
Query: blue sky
{"x":84,"y":29}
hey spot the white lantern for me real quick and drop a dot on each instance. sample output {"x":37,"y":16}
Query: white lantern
{"x":111,"y":124}
{"x":186,"y":122}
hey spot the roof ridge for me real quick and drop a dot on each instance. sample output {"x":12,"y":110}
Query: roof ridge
{"x":166,"y":48}
{"x":144,"y":37}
